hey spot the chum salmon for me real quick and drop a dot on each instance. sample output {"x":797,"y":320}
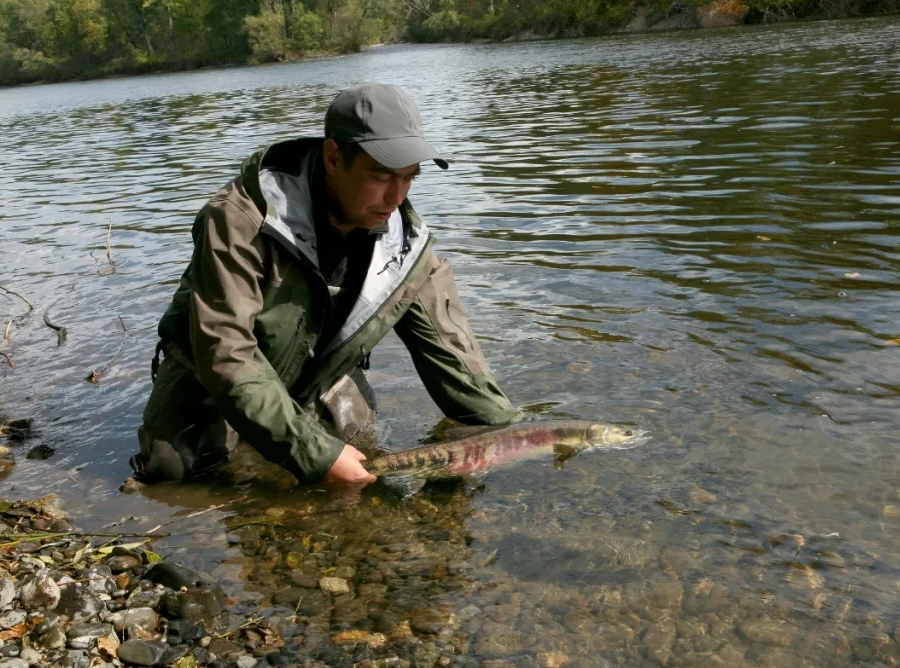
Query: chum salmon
{"x":482,"y":452}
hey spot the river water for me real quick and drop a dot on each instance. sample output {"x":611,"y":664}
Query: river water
{"x":694,"y":232}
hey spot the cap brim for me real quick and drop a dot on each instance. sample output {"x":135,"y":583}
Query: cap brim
{"x":402,"y":152}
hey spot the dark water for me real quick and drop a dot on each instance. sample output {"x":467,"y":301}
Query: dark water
{"x":694,"y":232}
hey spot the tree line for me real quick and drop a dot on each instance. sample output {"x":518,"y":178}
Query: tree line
{"x":53,"y":40}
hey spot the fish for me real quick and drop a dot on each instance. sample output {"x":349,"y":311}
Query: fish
{"x":478,"y":454}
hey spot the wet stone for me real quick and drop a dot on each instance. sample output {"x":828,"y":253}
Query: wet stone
{"x":194,"y":605}
{"x":142,"y":652}
{"x":174,"y":576}
{"x":433,"y":621}
{"x":767,"y":631}
{"x":187,"y":631}
{"x":40,"y":593}
{"x":173,"y":654}
{"x":334,"y":585}
{"x":144,"y":598}
{"x":10,"y":650}
{"x":122,"y":563}
{"x":145,"y":618}
{"x":425,"y":655}
{"x":658,"y":641}
{"x":308,"y":580}
{"x":84,"y":636}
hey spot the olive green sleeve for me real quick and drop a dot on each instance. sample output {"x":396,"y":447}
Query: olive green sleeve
{"x":226,"y":298}
{"x":446,"y":355}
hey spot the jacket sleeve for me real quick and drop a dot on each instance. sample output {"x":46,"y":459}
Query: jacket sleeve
{"x":447,"y":357}
{"x":226,"y":297}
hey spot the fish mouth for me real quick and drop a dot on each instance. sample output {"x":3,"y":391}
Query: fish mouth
{"x":638,"y":437}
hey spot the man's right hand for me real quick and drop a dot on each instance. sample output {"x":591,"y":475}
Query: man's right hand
{"x":347,"y":469}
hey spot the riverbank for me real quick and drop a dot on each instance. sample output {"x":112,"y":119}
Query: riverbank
{"x":26,"y":69}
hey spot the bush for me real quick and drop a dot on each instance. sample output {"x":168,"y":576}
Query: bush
{"x":307,"y":31}
{"x":265,"y":33}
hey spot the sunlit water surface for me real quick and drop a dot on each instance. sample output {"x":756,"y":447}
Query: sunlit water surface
{"x":696,"y":233}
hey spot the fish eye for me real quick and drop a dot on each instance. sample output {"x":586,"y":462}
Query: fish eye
{"x":628,"y":432}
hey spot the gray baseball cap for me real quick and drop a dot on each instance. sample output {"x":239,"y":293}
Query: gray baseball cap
{"x":384,"y":121}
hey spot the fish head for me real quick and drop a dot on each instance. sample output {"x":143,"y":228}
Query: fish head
{"x":614,"y":436}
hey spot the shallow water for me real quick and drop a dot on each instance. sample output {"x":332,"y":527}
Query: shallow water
{"x":693,"y":232}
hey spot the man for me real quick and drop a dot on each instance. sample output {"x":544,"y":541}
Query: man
{"x":301,"y":265}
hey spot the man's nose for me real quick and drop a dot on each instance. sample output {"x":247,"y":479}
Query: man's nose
{"x":394,"y":195}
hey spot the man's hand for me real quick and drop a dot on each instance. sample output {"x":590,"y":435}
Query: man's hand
{"x":347,"y":469}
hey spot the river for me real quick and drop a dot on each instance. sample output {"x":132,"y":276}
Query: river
{"x":692,"y":232}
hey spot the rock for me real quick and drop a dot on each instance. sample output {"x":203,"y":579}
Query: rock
{"x":334,"y":585}
{"x":142,"y":652}
{"x":433,"y":621}
{"x":31,"y":656}
{"x":84,"y":636}
{"x":13,"y":663}
{"x":345,"y":572}
{"x":307,"y":580}
{"x":40,"y":593}
{"x":767,"y":631}
{"x":187,"y":631}
{"x":551,"y":659}
{"x":99,"y":577}
{"x":149,"y":598}
{"x":658,"y":641}
{"x":701,"y":496}
{"x":359,"y":637}
{"x":425,"y":655}
{"x":246,"y":662}
{"x":53,"y":638}
{"x":12,"y":618}
{"x":122,"y":563}
{"x":173,"y":576}
{"x":174,"y":654}
{"x":77,"y":602}
{"x":194,"y":605}
{"x":143,"y":617}
{"x":7,"y":592}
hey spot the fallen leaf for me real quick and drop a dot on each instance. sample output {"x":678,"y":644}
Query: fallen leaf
{"x":759,"y":237}
{"x":14,"y":632}
{"x":108,"y":645}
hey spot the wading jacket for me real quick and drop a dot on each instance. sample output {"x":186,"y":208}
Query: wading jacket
{"x":252,"y":302}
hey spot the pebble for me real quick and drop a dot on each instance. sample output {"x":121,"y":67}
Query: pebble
{"x":122,"y":563}
{"x":334,"y":585}
{"x":13,"y":663}
{"x":173,"y":576}
{"x":246,"y":662}
{"x":78,"y":603}
{"x":29,"y":655}
{"x":142,"y":652}
{"x":194,"y":605}
{"x":12,"y":618}
{"x":40,"y":593}
{"x":53,"y":638}
{"x":145,"y":618}
{"x":767,"y":631}
{"x":7,"y":592}
{"x":84,"y":636}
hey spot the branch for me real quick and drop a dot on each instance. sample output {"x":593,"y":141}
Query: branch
{"x":13,"y":292}
{"x":8,"y":360}
{"x":109,"y":248}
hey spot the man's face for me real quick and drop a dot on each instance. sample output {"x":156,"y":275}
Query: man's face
{"x":365,"y":193}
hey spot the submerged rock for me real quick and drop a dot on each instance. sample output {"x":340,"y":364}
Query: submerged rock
{"x":173,"y":576}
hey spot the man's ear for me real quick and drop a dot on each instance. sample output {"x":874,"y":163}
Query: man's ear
{"x":331,"y":156}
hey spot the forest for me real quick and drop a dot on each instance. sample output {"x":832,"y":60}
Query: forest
{"x":55,"y":40}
